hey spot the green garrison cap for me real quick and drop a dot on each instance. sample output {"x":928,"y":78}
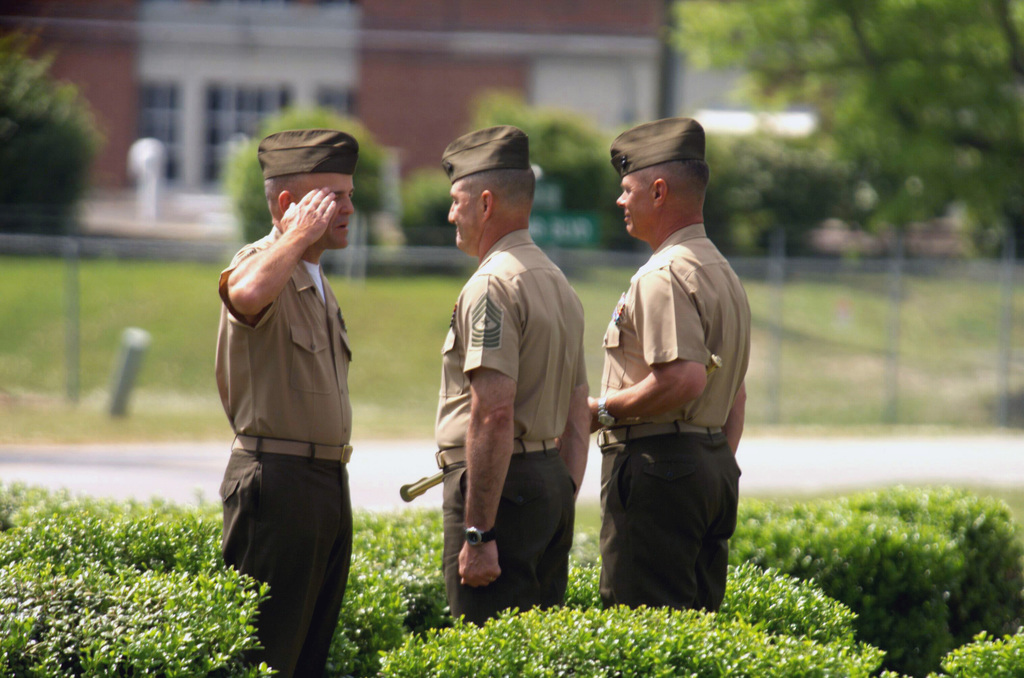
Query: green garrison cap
{"x":653,"y":143}
{"x":502,"y":147}
{"x":308,"y":151}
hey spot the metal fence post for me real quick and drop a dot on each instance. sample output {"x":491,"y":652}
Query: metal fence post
{"x":1006,"y":328}
{"x":891,"y":414}
{"x":776,"y":281}
{"x":71,"y":318}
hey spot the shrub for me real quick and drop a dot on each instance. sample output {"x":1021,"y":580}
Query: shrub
{"x":90,"y":622}
{"x":621,"y":642}
{"x":425,"y":203}
{"x":47,"y":141}
{"x":243,"y":178}
{"x":760,"y":183}
{"x":988,"y":594}
{"x":571,"y":151}
{"x":785,"y":606}
{"x":917,"y":566}
{"x":407,"y":546}
{"x":372,"y":620}
{"x":157,"y":541}
{"x":985,"y":658}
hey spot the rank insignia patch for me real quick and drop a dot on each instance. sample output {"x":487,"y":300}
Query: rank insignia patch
{"x":486,"y":318}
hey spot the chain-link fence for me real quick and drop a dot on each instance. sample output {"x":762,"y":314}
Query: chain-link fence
{"x":836,"y":342}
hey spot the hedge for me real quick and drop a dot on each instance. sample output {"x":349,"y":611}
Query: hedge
{"x":923,"y":569}
{"x":623,"y":642}
{"x":92,"y":587}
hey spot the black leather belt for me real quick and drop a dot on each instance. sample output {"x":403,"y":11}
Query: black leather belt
{"x":294,"y":448}
{"x":623,"y":434}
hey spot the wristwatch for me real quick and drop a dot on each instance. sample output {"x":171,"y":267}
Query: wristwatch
{"x":602,"y":412}
{"x":475,"y":536}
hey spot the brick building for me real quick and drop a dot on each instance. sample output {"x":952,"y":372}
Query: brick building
{"x":197,"y":73}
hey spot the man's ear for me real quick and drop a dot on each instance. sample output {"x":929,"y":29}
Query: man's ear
{"x":659,"y":191}
{"x":284,"y":200}
{"x":487,"y":203}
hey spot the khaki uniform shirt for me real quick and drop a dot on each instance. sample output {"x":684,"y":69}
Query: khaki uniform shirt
{"x":518,"y":315}
{"x":685,"y":303}
{"x":287,"y":377}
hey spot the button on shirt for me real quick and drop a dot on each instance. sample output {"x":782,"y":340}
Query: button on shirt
{"x":518,"y":315}
{"x":685,"y":303}
{"x":287,"y":377}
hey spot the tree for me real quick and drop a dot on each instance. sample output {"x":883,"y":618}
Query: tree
{"x":924,"y":96}
{"x":425,"y":204}
{"x":47,"y":142}
{"x":571,"y":152}
{"x":761,"y":183}
{"x":243,"y":178}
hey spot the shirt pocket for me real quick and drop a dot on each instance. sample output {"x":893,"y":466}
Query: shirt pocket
{"x":311,"y":367}
{"x":452,"y":375}
{"x":345,"y":345}
{"x":611,"y":336}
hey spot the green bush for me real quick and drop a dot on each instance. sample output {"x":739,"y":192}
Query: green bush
{"x":571,"y":151}
{"x":760,"y":183}
{"x":47,"y":141}
{"x":243,"y":178}
{"x":782,"y":605}
{"x":987,"y":658}
{"x":988,"y":593}
{"x":158,"y":541}
{"x":622,"y":642}
{"x":95,"y":587}
{"x":407,"y":547}
{"x":58,"y":623}
{"x":425,"y":203}
{"x":917,"y":566}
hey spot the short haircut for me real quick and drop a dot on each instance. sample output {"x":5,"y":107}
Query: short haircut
{"x":688,"y":175}
{"x":273,"y":187}
{"x":514,"y":186}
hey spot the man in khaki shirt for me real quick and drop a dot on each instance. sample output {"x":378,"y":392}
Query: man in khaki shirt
{"x":282,"y":372}
{"x":670,"y":425}
{"x":512,"y":421}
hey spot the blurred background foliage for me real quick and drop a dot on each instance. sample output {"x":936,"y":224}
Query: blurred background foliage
{"x":47,"y":140}
{"x":922,"y":97}
{"x":243,"y":178}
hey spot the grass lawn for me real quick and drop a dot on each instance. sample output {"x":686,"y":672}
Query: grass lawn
{"x":832,"y":361}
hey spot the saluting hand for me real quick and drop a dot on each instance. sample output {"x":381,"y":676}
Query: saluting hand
{"x":478,"y":565}
{"x":312,"y":215}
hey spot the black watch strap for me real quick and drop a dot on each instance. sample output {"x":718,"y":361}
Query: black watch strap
{"x":475,"y":536}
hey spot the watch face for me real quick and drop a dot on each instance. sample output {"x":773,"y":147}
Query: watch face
{"x":473,"y":536}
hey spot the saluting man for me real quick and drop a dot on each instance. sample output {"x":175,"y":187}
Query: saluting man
{"x":282,"y":372}
{"x":513,"y":421}
{"x":669,"y":478}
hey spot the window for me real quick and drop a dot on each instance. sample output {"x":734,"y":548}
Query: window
{"x":159,"y":106}
{"x":340,"y":100}
{"x":232,"y":113}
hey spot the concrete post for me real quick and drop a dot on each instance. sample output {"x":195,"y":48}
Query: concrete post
{"x":134,"y":343}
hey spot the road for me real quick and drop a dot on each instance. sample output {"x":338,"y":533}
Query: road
{"x":187,"y":472}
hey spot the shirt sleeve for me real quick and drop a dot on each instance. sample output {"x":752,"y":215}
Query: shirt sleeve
{"x":222,"y":287}
{"x":667,"y":322}
{"x":488,"y":320}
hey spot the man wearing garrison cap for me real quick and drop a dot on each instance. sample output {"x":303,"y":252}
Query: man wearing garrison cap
{"x":512,"y":421}
{"x":669,"y":421}
{"x":282,"y":372}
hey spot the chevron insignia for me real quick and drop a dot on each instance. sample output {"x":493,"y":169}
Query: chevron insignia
{"x":486,"y":319}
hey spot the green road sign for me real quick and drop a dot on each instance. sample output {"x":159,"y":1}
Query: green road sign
{"x":565,"y":228}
